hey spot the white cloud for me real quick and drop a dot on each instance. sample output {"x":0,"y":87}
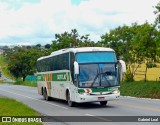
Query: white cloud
{"x":38,"y":22}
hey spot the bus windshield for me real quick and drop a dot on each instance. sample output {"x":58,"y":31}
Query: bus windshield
{"x":98,"y":75}
{"x":97,"y":69}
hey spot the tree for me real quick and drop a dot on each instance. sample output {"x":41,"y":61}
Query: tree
{"x":120,"y":40}
{"x":7,"y":51}
{"x":47,"y":46}
{"x":38,"y":45}
{"x":157,"y":12}
{"x":145,"y":43}
{"x":136,"y":44}
{"x":72,"y":39}
{"x":22,"y":62}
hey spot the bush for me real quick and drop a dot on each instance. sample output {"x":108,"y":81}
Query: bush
{"x":148,"y":89}
{"x":25,"y":83}
{"x":18,"y":81}
{"x":128,"y":76}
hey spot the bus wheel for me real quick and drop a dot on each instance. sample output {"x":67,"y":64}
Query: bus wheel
{"x":103,"y":103}
{"x":45,"y":95}
{"x":70,"y":103}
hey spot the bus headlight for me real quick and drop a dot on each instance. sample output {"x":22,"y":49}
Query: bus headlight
{"x":115,"y":92}
{"x":84,"y":93}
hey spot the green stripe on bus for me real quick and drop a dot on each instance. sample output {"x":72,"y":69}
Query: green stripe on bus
{"x":94,"y":90}
{"x":40,"y":77}
{"x":81,"y":91}
{"x":98,"y":89}
{"x":63,"y":76}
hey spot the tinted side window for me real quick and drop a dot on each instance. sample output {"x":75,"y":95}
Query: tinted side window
{"x":59,"y":62}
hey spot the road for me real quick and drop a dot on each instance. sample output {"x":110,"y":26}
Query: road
{"x":124,"y":106}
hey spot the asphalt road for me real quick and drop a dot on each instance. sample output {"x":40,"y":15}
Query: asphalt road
{"x":124,"y":107}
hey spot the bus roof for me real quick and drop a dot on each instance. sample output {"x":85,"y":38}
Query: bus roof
{"x":75,"y":50}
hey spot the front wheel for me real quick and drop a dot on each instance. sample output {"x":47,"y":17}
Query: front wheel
{"x":103,"y":103}
{"x":70,"y":103}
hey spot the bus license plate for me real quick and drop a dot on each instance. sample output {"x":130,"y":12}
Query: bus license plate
{"x":100,"y":98}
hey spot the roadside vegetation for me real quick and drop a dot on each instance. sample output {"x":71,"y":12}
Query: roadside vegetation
{"x":141,"y":89}
{"x":4,"y":67}
{"x":25,"y":83}
{"x":10,"y":107}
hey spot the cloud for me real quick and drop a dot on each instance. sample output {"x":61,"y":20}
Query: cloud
{"x":37,"y":21}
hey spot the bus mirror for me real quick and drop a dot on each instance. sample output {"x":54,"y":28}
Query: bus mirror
{"x":76,"y":68}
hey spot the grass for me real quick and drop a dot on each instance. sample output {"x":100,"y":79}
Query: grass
{"x":153,"y":74}
{"x":149,"y":89}
{"x":11,"y":107}
{"x":25,"y":83}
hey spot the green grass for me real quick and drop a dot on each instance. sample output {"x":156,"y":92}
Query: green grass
{"x":10,"y":107}
{"x":25,"y":83}
{"x":149,"y":89}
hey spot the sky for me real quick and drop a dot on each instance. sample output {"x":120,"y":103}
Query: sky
{"x":31,"y":22}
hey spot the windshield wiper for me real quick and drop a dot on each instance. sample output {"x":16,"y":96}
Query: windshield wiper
{"x":105,"y":74}
{"x":100,"y":79}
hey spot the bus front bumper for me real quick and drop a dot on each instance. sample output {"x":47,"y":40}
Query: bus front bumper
{"x":96,"y":98}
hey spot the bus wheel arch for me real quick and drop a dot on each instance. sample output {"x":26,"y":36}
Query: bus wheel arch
{"x":68,"y":99}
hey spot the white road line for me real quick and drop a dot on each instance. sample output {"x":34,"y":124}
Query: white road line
{"x":89,"y":115}
{"x":36,"y":99}
{"x":98,"y":117}
{"x":141,"y":98}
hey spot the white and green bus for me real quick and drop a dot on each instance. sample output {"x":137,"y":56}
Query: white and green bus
{"x":77,"y":75}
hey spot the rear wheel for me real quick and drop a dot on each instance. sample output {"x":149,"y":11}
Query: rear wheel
{"x":45,"y":95}
{"x":70,"y":103}
{"x":103,"y":103}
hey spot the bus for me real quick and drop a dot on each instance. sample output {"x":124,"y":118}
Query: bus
{"x":78,"y":75}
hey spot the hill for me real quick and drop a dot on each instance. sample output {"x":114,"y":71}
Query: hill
{"x":4,"y":70}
